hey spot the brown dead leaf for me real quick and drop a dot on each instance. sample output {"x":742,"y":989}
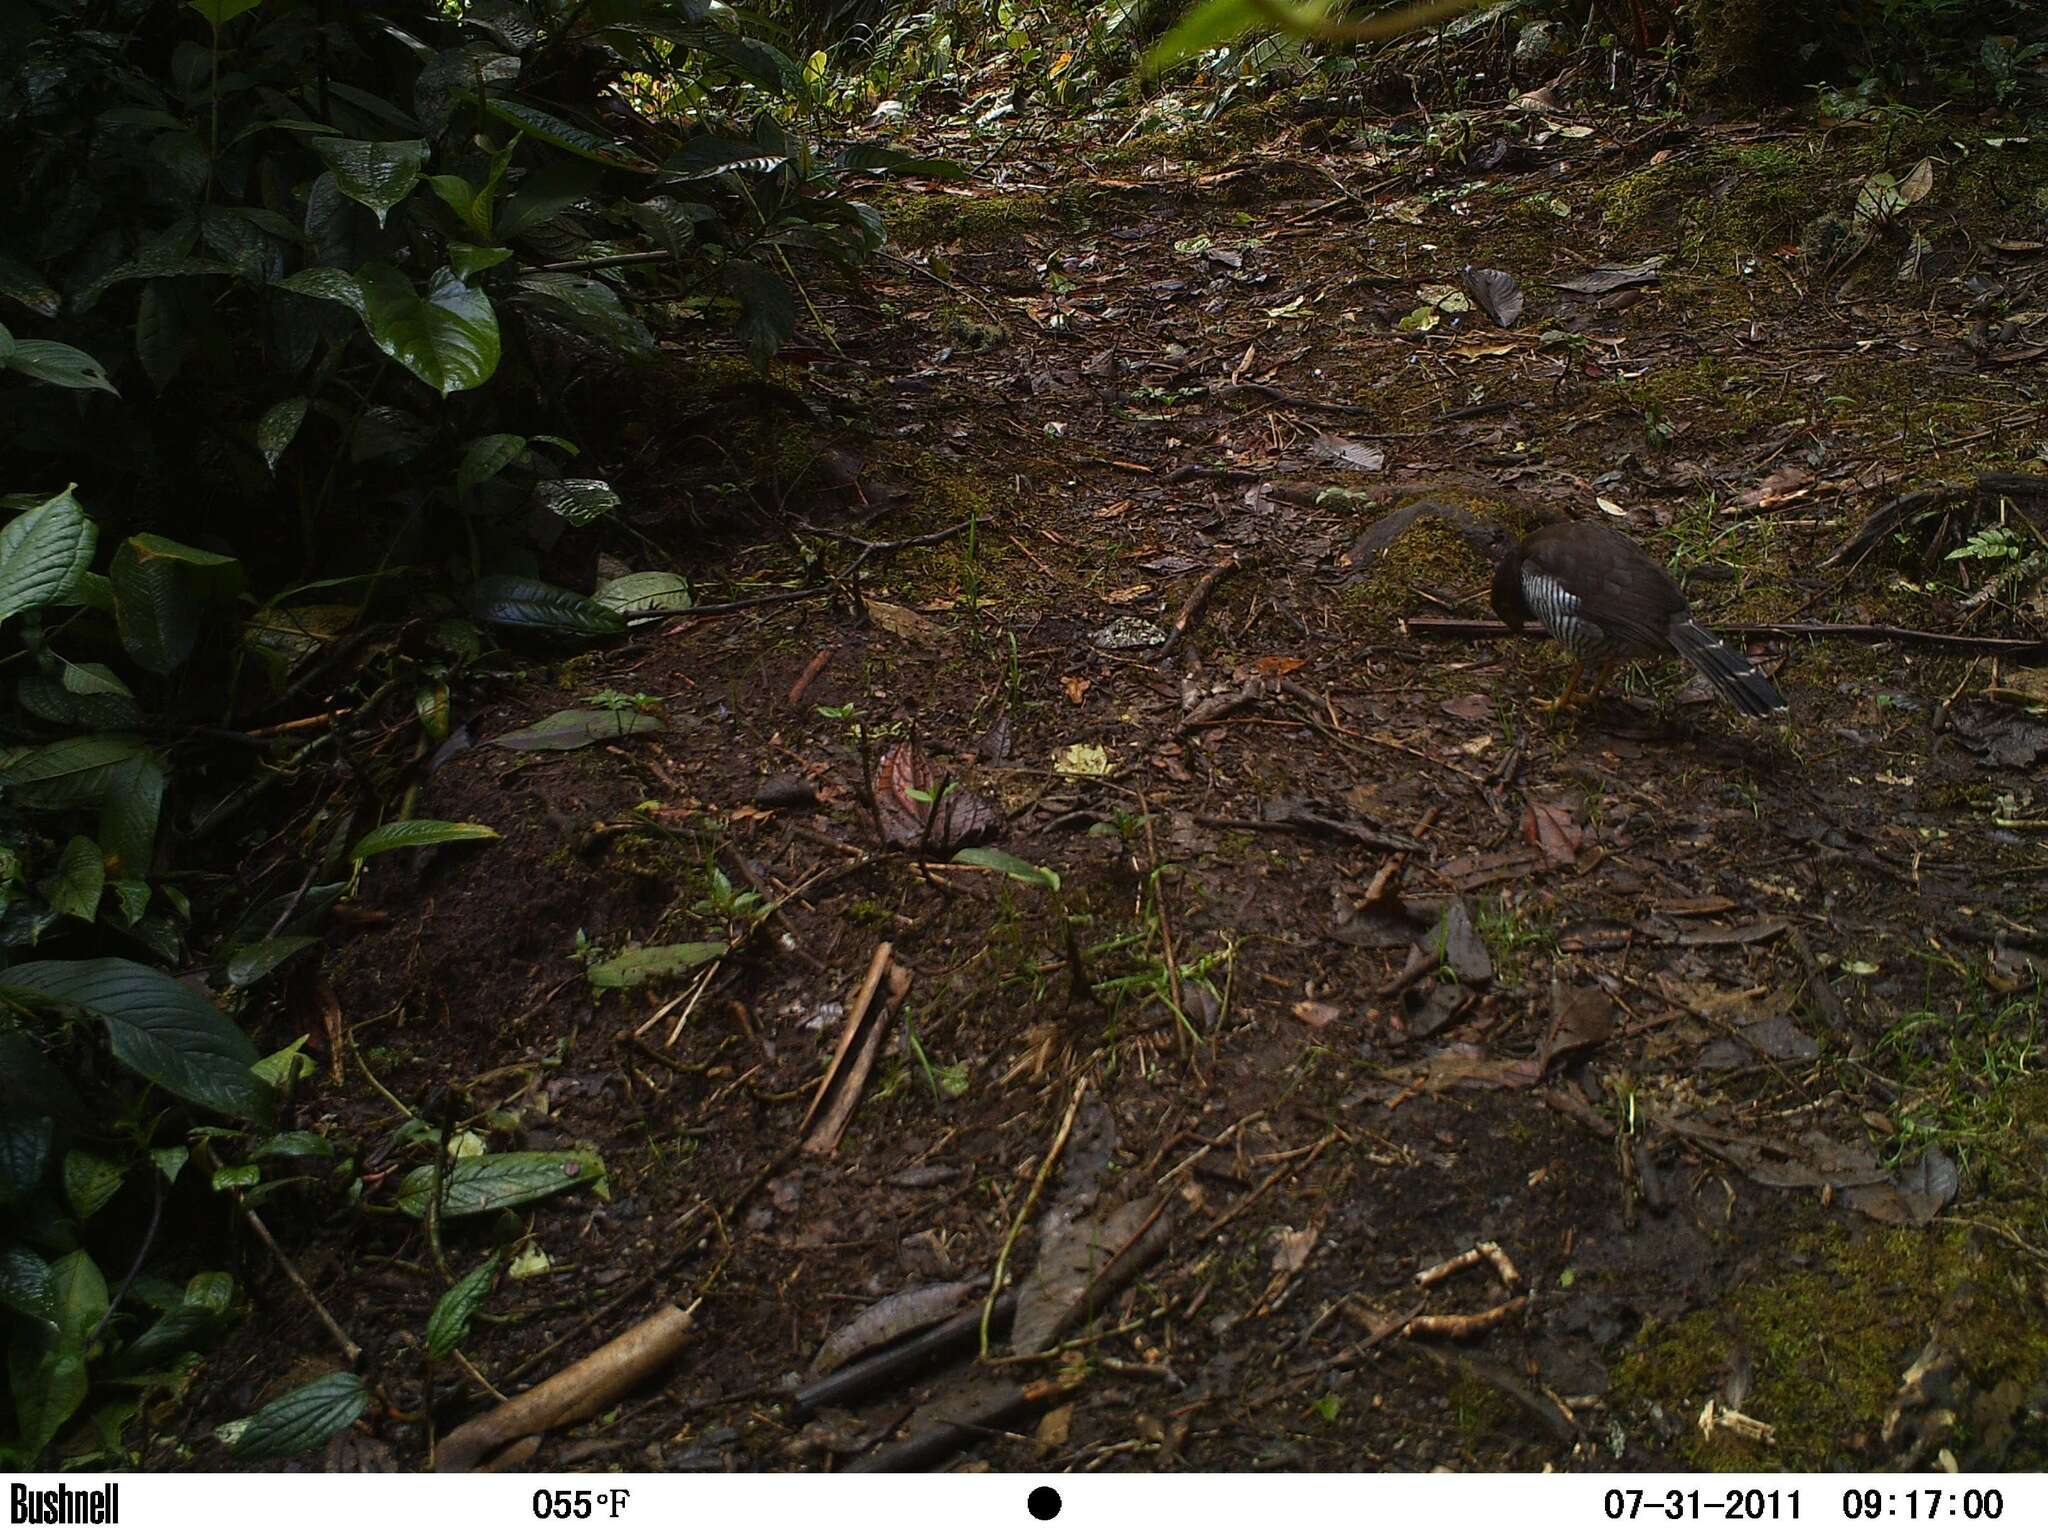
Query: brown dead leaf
{"x":904,"y":623}
{"x":1077,"y":688}
{"x":1279,"y":666}
{"x":905,"y":787}
{"x":1548,"y":825}
{"x":1317,"y":1015}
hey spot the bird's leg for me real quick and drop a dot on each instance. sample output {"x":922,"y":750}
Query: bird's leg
{"x":1571,"y":688}
{"x":1600,"y":681}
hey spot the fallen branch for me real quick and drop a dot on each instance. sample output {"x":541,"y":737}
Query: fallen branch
{"x":1493,"y":629}
{"x":1191,"y":610}
{"x":1483,"y":1253}
{"x":1462,"y":1325}
{"x":907,"y":1360}
{"x":571,"y":1395}
{"x":866,"y":1023}
{"x":939,"y":1440}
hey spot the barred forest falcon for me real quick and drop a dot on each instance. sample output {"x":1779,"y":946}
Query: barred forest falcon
{"x":1606,"y":602}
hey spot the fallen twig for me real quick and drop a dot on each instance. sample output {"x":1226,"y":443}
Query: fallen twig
{"x":866,"y":1021}
{"x":1191,"y":610}
{"x":1045,"y":1166}
{"x":1486,"y":1253}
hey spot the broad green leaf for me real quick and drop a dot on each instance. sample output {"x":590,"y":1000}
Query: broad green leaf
{"x":468,"y":260}
{"x":26,"y":1285}
{"x":27,"y":288}
{"x":235,"y":1176}
{"x":586,"y":305}
{"x":767,"y":309}
{"x":161,"y":334}
{"x":304,"y":1417}
{"x":252,"y":962}
{"x":576,"y":502}
{"x":1213,"y":23}
{"x":394,"y":835}
{"x":879,"y":158}
{"x":330,"y":283}
{"x":447,"y":339}
{"x":474,"y":1185}
{"x":282,"y":1070}
{"x":170,"y":1161}
{"x":131,"y":899}
{"x":1009,"y":864}
{"x":24,"y":1154}
{"x":374,"y":172}
{"x":220,"y":12}
{"x":43,"y":552}
{"x":280,"y":424}
{"x":448,"y":1324}
{"x":520,"y":602}
{"x":52,"y":362}
{"x":90,"y":1181}
{"x":292,"y":1144}
{"x":645,"y":592}
{"x":469,"y":203}
{"x":47,"y":699}
{"x":550,"y":129}
{"x":79,"y":880}
{"x":634,"y":967}
{"x":159,"y":591}
{"x":156,"y":1026}
{"x":46,"y":1369}
{"x":485,"y":457}
{"x":129,"y":815}
{"x":64,"y":773}
{"x":568,"y":729}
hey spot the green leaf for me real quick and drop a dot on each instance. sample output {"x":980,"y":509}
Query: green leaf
{"x":568,"y":729}
{"x":129,"y":814}
{"x":27,"y":288}
{"x":43,"y":552}
{"x":281,"y":1070}
{"x":52,"y":362}
{"x":1009,"y":864}
{"x":448,"y":339}
{"x":448,"y":1324}
{"x":26,"y":1285}
{"x":170,"y":1161}
{"x":468,"y":260}
{"x":485,"y":457}
{"x":475,"y":1185}
{"x":520,"y":602}
{"x":235,"y":1176}
{"x":292,"y":1144}
{"x":881,"y":158}
{"x":304,"y":1417}
{"x":377,"y":173}
{"x":767,"y":309}
{"x":90,"y":1181}
{"x":645,"y":592}
{"x":576,"y":502}
{"x":24,"y":1154}
{"x":161,"y":334}
{"x":46,"y":1370}
{"x":65,"y":773}
{"x":80,"y":879}
{"x":550,"y":129}
{"x":156,"y":1026}
{"x":633,"y":967}
{"x":280,"y":424}
{"x":394,"y":835}
{"x":220,"y":12}
{"x":159,"y":587}
{"x":586,"y":305}
{"x":252,"y":962}
{"x":329,"y":283}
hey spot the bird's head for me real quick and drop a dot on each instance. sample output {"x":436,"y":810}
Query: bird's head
{"x":1508,"y":603}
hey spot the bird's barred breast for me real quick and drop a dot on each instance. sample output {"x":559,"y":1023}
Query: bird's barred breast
{"x":1557,"y":610}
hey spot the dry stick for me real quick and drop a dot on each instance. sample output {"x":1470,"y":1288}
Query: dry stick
{"x":351,"y":1351}
{"x":1492,"y":629}
{"x":1350,"y":1354}
{"x":1293,"y":1163}
{"x":1191,"y":610}
{"x":1052,"y":1156}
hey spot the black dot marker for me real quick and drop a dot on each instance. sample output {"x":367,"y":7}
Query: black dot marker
{"x":1044,"y":1503}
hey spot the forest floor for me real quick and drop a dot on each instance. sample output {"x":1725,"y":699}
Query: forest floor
{"x":1728,"y":1036}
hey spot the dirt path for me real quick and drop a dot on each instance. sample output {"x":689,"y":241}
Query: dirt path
{"x":1727,"y":1036}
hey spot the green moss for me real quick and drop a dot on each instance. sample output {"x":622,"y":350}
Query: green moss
{"x":1724,"y":204}
{"x":1831,"y":1326}
{"x":928,"y":218}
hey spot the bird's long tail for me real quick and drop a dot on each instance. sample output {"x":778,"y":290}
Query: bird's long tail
{"x":1734,"y":676}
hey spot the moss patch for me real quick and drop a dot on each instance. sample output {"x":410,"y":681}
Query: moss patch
{"x":1432,"y":555}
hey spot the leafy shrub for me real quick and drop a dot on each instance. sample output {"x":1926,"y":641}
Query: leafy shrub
{"x":287,"y":290}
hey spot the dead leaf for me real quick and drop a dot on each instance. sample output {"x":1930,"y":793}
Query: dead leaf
{"x":903,"y":622}
{"x":1548,"y":825}
{"x":1280,"y":666}
{"x":1609,"y":278}
{"x":1077,"y":688}
{"x":1291,"y":1248}
{"x":1351,"y":455}
{"x":1317,"y":1015}
{"x":920,"y":809}
{"x":1582,"y":1020}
